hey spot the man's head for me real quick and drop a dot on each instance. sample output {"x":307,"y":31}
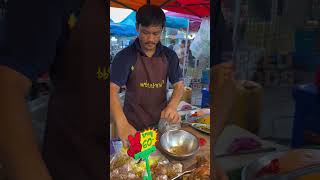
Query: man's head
{"x":150,"y":22}
{"x":183,"y":44}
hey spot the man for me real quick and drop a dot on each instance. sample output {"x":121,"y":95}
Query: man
{"x":144,"y":68}
{"x":179,"y":49}
{"x":172,"y":43}
{"x":75,"y":143}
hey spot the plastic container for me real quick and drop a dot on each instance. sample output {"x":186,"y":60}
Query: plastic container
{"x":305,"y":42}
{"x":307,"y":113}
{"x":205,"y":102}
{"x":247,"y":107}
{"x":205,"y":76}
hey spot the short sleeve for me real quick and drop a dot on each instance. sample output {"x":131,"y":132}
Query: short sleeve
{"x":120,"y":67}
{"x":32,"y":29}
{"x":174,"y":70}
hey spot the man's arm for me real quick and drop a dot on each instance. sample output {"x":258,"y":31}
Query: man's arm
{"x":170,"y":112}
{"x":19,"y":151}
{"x":178,"y":89}
{"x":123,"y":126}
{"x":29,"y":54}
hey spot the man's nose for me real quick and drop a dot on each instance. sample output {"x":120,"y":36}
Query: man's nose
{"x":151,"y":38}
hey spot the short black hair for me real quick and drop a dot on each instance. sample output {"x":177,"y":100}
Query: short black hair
{"x":183,"y":42}
{"x":148,"y":15}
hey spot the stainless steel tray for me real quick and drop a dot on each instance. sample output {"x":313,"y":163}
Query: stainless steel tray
{"x":249,"y":172}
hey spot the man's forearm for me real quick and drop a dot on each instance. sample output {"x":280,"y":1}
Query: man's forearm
{"x":116,"y":109}
{"x":178,"y":90}
{"x":19,"y":151}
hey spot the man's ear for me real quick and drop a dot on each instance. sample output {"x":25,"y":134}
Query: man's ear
{"x":137,"y":27}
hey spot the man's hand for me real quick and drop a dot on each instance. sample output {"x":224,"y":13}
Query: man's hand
{"x":124,"y":130}
{"x":171,"y":114}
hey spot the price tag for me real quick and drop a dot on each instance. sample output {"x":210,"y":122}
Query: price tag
{"x":141,"y":146}
{"x":148,"y":139}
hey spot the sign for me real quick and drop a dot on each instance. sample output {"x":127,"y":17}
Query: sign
{"x":141,"y":146}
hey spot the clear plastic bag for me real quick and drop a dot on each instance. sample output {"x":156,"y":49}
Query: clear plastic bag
{"x":200,"y":47}
{"x":123,"y":167}
{"x":165,"y":125}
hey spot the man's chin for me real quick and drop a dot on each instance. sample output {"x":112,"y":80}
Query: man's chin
{"x":149,"y":48}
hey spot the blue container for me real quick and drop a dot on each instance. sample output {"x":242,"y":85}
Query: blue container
{"x":306,"y":62}
{"x":305,"y":42}
{"x":307,"y":113}
{"x":205,"y":98}
{"x":205,"y":77}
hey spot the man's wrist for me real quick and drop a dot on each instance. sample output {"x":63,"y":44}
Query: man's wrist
{"x":172,"y":105}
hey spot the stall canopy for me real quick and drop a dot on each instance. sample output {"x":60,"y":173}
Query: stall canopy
{"x":122,"y":29}
{"x":195,"y":22}
{"x":127,"y":27}
{"x":199,"y":8}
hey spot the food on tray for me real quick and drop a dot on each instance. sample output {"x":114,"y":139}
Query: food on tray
{"x":243,"y":144}
{"x":196,"y":114}
{"x":202,"y":127}
{"x":291,"y":161}
{"x":199,"y":116}
{"x":123,"y":167}
{"x":272,"y":168}
{"x":186,"y":107}
{"x":199,"y":113}
{"x":202,"y":172}
{"x":204,"y":120}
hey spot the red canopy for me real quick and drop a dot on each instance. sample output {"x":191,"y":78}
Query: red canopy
{"x":195,"y":22}
{"x":200,"y":8}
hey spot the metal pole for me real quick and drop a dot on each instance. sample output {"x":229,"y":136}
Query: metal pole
{"x":185,"y":50}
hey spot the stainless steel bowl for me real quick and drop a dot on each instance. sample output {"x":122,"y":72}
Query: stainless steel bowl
{"x":179,"y":144}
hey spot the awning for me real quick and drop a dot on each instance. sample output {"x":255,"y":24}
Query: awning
{"x":199,"y":8}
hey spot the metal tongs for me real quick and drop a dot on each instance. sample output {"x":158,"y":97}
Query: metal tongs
{"x":183,"y":173}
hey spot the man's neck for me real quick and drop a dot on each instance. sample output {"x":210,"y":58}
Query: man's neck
{"x":149,"y":53}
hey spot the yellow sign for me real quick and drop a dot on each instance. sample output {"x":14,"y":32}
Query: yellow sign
{"x":103,"y":74}
{"x":148,"y":138}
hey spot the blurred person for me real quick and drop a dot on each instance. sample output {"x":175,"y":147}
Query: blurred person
{"x":172,"y":44}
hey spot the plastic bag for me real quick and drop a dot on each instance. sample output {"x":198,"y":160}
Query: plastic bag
{"x":200,"y":47}
{"x":124,"y":167}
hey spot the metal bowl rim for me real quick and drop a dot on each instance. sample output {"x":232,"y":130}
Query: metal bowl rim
{"x":185,"y":155}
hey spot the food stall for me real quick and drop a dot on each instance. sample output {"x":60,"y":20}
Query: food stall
{"x":171,"y":160}
{"x":182,"y":150}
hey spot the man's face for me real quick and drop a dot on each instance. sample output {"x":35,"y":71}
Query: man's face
{"x":149,"y":36}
